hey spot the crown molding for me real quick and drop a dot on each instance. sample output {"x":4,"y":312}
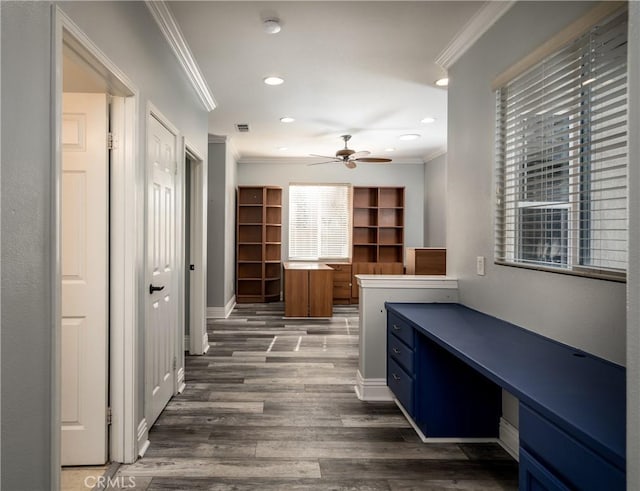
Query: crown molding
{"x":434,"y":155}
{"x":311,"y":160}
{"x":172,"y":33}
{"x":480,"y":23}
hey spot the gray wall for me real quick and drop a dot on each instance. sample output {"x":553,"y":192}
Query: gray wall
{"x":127,"y":34}
{"x":26,"y":389}
{"x":586,"y":313}
{"x":411,"y":176}
{"x":221,"y":218}
{"x":633,"y":295}
{"x":231,"y":183}
{"x":435,"y":200}
{"x":215,"y":225}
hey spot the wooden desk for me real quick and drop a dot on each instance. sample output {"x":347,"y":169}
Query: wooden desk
{"x":446,"y":364}
{"x":308,"y":290}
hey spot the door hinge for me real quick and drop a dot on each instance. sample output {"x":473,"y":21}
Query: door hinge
{"x":109,"y":416}
{"x":109,"y":141}
{"x":175,"y":363}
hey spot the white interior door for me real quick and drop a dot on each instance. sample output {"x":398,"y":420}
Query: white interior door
{"x":85,"y":217}
{"x":162,"y":318}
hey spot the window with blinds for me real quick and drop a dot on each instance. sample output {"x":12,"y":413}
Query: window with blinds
{"x":562,"y":158}
{"x":319,"y":222}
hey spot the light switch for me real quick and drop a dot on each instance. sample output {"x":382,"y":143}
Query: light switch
{"x":480,"y":265}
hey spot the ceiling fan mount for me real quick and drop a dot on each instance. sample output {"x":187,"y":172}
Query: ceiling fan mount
{"x":350,"y":157}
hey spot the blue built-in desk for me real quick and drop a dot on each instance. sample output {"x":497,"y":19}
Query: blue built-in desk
{"x":446,"y":364}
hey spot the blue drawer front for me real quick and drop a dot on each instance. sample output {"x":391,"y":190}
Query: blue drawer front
{"x":401,"y":384}
{"x":400,"y":328}
{"x":400,"y":352}
{"x":566,"y":457}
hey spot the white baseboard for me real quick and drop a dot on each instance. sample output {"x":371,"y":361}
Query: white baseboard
{"x":143,"y":437}
{"x":427,"y":439}
{"x":372,"y":389}
{"x":181,"y":380}
{"x":205,"y":343}
{"x":221,"y":312}
{"x":509,"y":438}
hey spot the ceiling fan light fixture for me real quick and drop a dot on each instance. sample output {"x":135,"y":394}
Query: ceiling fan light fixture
{"x":409,"y":137}
{"x":273,"y":80}
{"x":287,"y":119}
{"x":271,"y":26}
{"x":442,"y":82}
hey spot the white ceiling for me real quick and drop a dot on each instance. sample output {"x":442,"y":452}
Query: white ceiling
{"x":362,"y":68}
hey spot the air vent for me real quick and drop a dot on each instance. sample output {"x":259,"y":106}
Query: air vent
{"x":242,"y":127}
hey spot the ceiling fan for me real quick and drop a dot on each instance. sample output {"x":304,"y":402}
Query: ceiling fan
{"x":349,"y":157}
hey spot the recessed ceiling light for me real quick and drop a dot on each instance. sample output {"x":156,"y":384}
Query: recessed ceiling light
{"x":442,"y":82}
{"x":287,"y":119}
{"x":274,"y":81}
{"x":428,"y":120}
{"x":271,"y":26}
{"x":409,"y":136}
{"x":282,"y":149}
{"x":390,"y":149}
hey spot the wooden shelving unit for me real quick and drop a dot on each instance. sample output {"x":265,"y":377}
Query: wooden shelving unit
{"x":259,"y":244}
{"x":378,"y":232}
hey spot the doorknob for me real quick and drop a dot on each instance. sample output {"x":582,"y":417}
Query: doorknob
{"x":155,"y":289}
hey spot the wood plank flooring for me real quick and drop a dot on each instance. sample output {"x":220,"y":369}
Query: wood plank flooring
{"x":272,"y":407}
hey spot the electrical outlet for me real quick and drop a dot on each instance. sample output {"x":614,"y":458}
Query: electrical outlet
{"x":480,"y":265}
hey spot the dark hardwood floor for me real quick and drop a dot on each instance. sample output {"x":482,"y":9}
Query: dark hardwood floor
{"x":272,"y":407}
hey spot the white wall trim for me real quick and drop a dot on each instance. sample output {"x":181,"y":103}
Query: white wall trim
{"x":181,"y":380}
{"x":172,"y":33}
{"x":142,"y":437}
{"x":407,"y":281}
{"x":480,"y":23}
{"x":434,"y":155}
{"x":373,"y":389}
{"x":426,"y":439}
{"x":198,"y":248}
{"x":509,"y":438}
{"x":126,"y":236}
{"x":221,"y":312}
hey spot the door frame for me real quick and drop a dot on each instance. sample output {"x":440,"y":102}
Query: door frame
{"x":125,"y":242}
{"x":178,"y":280}
{"x":198,"y":338}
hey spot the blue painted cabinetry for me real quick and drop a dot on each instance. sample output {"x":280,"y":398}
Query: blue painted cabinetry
{"x":445,"y":397}
{"x":451,"y":363}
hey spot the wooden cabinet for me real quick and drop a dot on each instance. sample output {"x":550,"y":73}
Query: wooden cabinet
{"x":258,"y":244}
{"x":426,"y":260}
{"x":378,"y":232}
{"x":341,"y":283}
{"x":308,"y":290}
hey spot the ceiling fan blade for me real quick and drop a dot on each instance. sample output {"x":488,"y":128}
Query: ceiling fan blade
{"x":357,"y":155}
{"x":350,"y":164}
{"x":373,"y":160}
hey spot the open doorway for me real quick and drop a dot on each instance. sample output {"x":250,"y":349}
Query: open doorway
{"x":196,"y":339}
{"x":97,"y":248}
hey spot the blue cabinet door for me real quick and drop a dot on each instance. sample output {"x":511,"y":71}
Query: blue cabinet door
{"x":534,"y":476}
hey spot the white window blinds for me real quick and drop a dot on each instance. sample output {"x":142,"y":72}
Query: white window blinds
{"x":319,"y":222}
{"x":562,"y":158}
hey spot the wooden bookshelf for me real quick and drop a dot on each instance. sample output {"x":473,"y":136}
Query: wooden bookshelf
{"x":259,"y":244}
{"x":378,"y":232}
